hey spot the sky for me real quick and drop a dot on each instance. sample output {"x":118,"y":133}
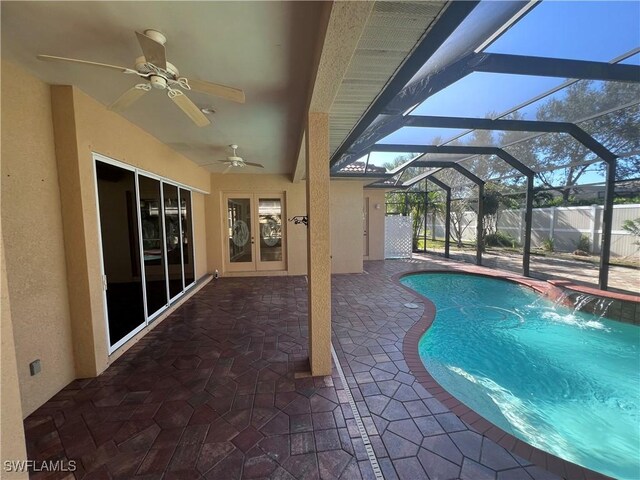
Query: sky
{"x":580,"y":30}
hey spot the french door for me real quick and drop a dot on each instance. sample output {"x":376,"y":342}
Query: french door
{"x":254,"y":232}
{"x":365,"y":227}
{"x":146,"y":233}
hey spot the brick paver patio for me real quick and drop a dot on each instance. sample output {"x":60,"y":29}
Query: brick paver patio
{"x":217,"y":391}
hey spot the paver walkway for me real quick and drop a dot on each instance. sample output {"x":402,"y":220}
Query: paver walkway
{"x":215,"y":392}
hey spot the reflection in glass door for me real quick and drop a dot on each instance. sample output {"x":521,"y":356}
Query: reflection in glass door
{"x":187,"y":237}
{"x":153,"y":251}
{"x":173,"y":236}
{"x":117,"y":205}
{"x":270,"y":221}
{"x":239,"y":236}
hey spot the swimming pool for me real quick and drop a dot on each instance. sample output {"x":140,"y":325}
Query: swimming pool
{"x":567,"y":383}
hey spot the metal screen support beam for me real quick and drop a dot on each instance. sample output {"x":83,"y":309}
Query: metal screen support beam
{"x":457,"y":167}
{"x":451,"y":149}
{"x":512,"y":125}
{"x":607,"y":221}
{"x":528,"y":214}
{"x":447,"y":213}
{"x":426,"y":205}
{"x":480,"y":183}
{"x":507,"y":158}
{"x":480,"y":224}
{"x":555,"y":67}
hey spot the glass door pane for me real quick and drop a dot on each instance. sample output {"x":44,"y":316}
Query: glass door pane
{"x":120,"y":250}
{"x":270,"y":218}
{"x":270,"y":210}
{"x":240,"y":242}
{"x":187,"y":237}
{"x":172,"y":238}
{"x":152,"y":244}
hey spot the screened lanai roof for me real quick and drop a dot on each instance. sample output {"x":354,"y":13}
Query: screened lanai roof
{"x":510,"y":88}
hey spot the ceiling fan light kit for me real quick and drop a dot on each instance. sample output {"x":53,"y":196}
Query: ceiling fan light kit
{"x":160,"y":75}
{"x":156,"y":36}
{"x":234,"y":160}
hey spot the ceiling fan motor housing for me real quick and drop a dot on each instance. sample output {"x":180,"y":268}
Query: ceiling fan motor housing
{"x":158,"y":82}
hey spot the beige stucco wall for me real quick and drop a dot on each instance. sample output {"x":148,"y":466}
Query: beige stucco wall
{"x":33,"y":239}
{"x":49,"y":208}
{"x":296,"y":204}
{"x":376,"y":223}
{"x":84,"y":126}
{"x":346,"y":226}
{"x":200,"y":233}
{"x":48,"y":186}
{"x":12,"y":445}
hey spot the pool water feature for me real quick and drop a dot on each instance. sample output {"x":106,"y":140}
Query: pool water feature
{"x":563,"y":381}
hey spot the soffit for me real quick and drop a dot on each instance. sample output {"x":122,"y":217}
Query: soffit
{"x":391,"y":33}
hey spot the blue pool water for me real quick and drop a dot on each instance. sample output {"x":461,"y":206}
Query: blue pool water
{"x":567,"y":383}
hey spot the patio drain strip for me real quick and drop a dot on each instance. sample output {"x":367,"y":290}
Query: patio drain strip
{"x":356,"y":415}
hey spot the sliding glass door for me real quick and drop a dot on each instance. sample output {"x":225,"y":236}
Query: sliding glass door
{"x":188,"y":259}
{"x":120,"y":251}
{"x":148,"y":255}
{"x":173,"y":236}
{"x":152,"y":245}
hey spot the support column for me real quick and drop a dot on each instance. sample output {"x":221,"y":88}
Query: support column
{"x":607,"y":220}
{"x":528,"y":213}
{"x":426,"y":218}
{"x":447,"y":214}
{"x":318,"y":243}
{"x":479,"y":223}
{"x":447,"y":224}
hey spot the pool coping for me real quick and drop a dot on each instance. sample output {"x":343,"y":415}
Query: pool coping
{"x":480,"y":424}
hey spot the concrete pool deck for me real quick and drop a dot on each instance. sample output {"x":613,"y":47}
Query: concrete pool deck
{"x":217,"y":391}
{"x":621,"y":279}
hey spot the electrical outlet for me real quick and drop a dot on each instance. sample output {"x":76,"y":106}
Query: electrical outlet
{"x":35,"y":367}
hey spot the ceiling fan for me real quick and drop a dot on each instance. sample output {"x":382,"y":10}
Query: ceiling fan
{"x":235,"y":161}
{"x":162,"y":75}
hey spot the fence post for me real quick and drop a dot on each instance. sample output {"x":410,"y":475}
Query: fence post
{"x":592,"y":228}
{"x":552,"y":225}
{"x":433,"y":226}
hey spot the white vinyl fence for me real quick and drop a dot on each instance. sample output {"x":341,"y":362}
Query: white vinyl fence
{"x":398,"y":236}
{"x":563,"y":225}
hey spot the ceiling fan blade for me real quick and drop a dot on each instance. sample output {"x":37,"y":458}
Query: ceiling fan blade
{"x":222,"y":91}
{"x":153,"y":51}
{"x":251,"y":164}
{"x":51,"y":58}
{"x":224,"y":161}
{"x":227,"y":169}
{"x":130,"y":96}
{"x":188,"y":107}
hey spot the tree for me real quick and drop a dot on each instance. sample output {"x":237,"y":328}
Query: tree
{"x":460,"y":219}
{"x":633,"y":227}
{"x":559,"y":158}
{"x":409,"y":202}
